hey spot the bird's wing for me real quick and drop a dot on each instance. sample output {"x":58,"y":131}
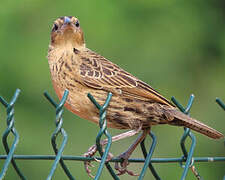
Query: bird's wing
{"x":99,"y":73}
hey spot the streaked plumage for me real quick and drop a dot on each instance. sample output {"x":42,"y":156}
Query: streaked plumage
{"x":134,"y":103}
{"x":80,"y":70}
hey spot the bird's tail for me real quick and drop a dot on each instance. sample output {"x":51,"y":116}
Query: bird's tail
{"x":181,"y":119}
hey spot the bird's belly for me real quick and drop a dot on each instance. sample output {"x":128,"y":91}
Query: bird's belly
{"x":121,"y":113}
{"x":77,"y":102}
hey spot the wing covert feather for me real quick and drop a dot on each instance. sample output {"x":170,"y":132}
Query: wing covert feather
{"x":99,"y":73}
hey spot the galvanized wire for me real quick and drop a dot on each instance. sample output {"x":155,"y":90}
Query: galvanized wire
{"x":222,"y":105}
{"x":103,"y":130}
{"x":10,"y":129}
{"x":131,"y":160}
{"x":59,"y":130}
{"x":148,"y":157}
{"x":187,"y":133}
{"x":187,"y":157}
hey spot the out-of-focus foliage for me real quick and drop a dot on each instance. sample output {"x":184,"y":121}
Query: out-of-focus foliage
{"x":178,"y":47}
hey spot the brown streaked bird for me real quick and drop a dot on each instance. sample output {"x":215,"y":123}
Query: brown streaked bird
{"x":134,"y":105}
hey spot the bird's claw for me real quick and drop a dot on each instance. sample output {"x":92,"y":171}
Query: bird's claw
{"x":121,"y":167}
{"x":86,"y":166}
{"x":90,"y":153}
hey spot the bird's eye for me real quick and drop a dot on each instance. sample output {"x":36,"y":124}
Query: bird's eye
{"x":77,"y":24}
{"x":55,"y":27}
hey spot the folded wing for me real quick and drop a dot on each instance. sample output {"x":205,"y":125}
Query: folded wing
{"x":99,"y":73}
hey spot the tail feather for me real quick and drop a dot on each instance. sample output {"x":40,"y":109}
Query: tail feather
{"x":181,"y":119}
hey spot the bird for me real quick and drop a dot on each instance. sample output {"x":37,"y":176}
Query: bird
{"x":134,"y":106}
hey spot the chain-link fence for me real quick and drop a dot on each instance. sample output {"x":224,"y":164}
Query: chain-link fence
{"x":187,"y":161}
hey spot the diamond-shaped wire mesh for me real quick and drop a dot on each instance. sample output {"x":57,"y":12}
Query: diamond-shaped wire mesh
{"x":187,"y":161}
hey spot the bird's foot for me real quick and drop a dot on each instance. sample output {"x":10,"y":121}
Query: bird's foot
{"x":121,"y":167}
{"x":90,"y":153}
{"x":93,"y":149}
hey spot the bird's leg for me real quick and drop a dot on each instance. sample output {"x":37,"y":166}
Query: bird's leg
{"x":93,"y":149}
{"x":122,"y":168}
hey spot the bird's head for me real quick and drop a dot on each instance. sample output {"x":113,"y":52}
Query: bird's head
{"x":66,"y":30}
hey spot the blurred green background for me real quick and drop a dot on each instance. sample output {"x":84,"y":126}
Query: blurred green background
{"x":178,"y":47}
